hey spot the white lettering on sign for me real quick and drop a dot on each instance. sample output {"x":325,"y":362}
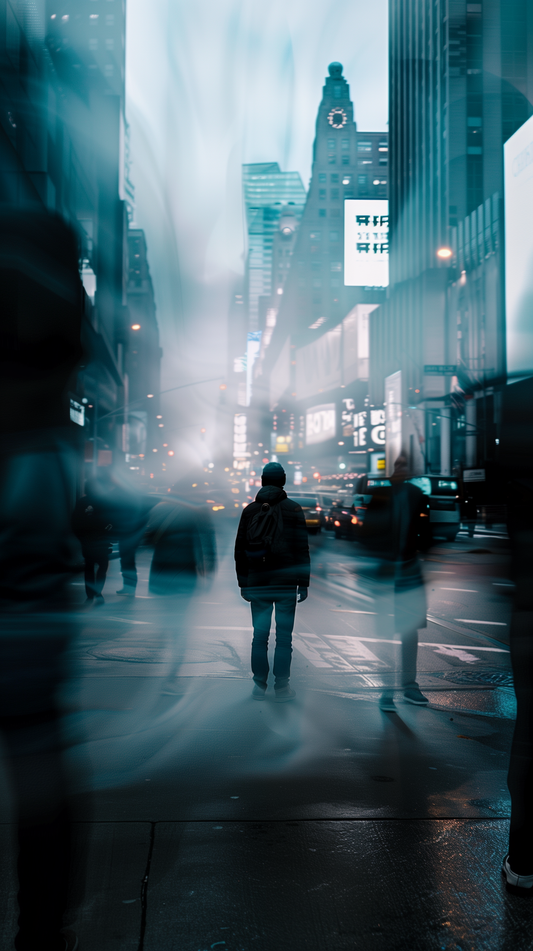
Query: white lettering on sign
{"x":365,"y":435}
{"x":320,"y":424}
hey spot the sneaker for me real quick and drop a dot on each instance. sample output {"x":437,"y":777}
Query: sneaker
{"x":386,"y":701}
{"x":99,"y":599}
{"x":282,"y":694}
{"x":259,"y":691}
{"x":524,"y":883}
{"x":414,"y":695}
{"x":89,"y":600}
{"x":127,"y":591}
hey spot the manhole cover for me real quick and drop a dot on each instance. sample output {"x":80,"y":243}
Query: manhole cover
{"x":493,"y":678}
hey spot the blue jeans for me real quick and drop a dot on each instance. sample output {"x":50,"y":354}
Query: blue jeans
{"x":262,"y":603}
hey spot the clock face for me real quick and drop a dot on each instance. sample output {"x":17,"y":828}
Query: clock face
{"x":337,"y":117}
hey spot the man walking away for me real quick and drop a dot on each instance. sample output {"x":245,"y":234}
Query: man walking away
{"x":272,"y":563}
{"x":94,"y":531}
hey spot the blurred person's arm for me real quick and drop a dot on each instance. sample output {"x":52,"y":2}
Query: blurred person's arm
{"x":241,"y":558}
{"x":302,"y":559}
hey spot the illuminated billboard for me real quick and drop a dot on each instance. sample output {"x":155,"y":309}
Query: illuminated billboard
{"x":320,"y":424}
{"x":518,"y":166}
{"x":366,"y":242}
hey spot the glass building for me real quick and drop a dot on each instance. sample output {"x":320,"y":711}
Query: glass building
{"x":267,"y":191}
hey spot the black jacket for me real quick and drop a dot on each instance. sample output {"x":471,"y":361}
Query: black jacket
{"x":293,"y":566}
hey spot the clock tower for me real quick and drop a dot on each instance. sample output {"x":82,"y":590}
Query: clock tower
{"x":346,"y":164}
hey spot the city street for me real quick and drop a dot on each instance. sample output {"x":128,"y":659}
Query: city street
{"x":211,"y":820}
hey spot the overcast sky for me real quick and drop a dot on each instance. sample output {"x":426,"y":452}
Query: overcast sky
{"x":211,"y":85}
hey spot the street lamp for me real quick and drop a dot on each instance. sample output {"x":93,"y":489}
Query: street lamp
{"x":444,"y":253}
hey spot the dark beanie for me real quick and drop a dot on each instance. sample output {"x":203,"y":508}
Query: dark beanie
{"x":273,"y":474}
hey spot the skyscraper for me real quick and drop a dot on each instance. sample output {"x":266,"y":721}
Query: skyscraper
{"x":267,"y":190}
{"x":461,"y":82}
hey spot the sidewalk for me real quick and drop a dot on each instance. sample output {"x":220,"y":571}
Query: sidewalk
{"x":389,"y":839}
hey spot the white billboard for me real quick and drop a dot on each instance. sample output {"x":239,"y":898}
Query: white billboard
{"x":320,"y":424}
{"x":366,"y":242}
{"x":518,"y":172}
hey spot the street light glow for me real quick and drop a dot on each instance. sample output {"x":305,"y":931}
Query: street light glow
{"x":444,"y":253}
{"x":135,"y":326}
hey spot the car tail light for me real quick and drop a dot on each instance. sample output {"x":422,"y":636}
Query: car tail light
{"x":337,"y":524}
{"x":354,"y":520}
{"x":318,"y":509}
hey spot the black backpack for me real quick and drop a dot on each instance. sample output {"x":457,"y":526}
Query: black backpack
{"x":264,"y":537}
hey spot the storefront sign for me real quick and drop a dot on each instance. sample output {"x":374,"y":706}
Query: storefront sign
{"x":239,"y":439}
{"x":366,"y":242}
{"x":474,"y":475}
{"x":320,"y":424}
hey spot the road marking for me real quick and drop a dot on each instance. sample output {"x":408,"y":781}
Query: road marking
{"x":211,"y":627}
{"x":469,"y":620}
{"x":125,"y":620}
{"x":467,"y":590}
{"x":349,"y":611}
{"x":456,"y":652}
{"x":353,"y":646}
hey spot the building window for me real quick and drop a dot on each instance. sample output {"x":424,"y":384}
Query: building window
{"x":362,"y":180}
{"x":345,"y":145}
{"x":364,"y":161}
{"x":337,"y":90}
{"x":383,"y":161}
{"x":322,"y":194}
{"x":332,"y":159}
{"x":321,"y":212}
{"x":322,"y":177}
{"x":332,"y":144}
{"x":383,"y":146}
{"x":316,"y":266}
{"x":345,"y":159}
{"x":315,"y":235}
{"x":334,"y":193}
{"x":335,"y":266}
{"x":110,"y":44}
{"x":110,"y":19}
{"x":334,"y":177}
{"x":93,"y":44}
{"x":334,"y":236}
{"x":335,"y":213}
{"x":364,"y":146}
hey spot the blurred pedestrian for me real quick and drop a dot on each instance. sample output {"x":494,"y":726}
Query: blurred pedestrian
{"x":40,"y":324}
{"x":390,"y":533}
{"x":94,"y":531}
{"x":516,"y":454}
{"x":182,"y":534}
{"x":273,"y":565}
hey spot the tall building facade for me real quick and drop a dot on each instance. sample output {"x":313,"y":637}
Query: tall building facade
{"x":267,"y":191}
{"x":317,"y":354}
{"x":461,"y":82}
{"x":63,"y":148}
{"x":145,"y":426}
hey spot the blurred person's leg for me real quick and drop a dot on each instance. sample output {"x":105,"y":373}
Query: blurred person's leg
{"x":30,"y":725}
{"x":285,"y":612}
{"x":101,"y":574}
{"x":520,"y":777}
{"x":261,"y":618}
{"x":90,"y":584}
{"x":127,"y":565}
{"x":410,"y":615}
